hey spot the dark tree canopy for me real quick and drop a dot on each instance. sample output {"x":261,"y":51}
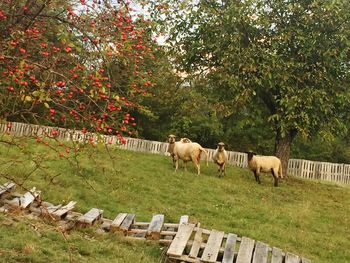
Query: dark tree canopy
{"x":289,"y":57}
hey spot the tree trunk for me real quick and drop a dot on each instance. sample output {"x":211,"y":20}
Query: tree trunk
{"x":282,"y":148}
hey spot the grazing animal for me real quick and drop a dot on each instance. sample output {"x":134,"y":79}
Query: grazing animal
{"x":220,"y":157}
{"x":265,"y":164}
{"x":188,"y":151}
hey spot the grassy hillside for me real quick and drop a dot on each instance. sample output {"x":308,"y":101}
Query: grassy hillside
{"x":308,"y":218}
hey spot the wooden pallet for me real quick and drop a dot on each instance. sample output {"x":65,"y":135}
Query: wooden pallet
{"x":187,"y":242}
{"x":194,"y":244}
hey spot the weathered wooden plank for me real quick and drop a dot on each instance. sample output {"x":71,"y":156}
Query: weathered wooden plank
{"x":179,"y":243}
{"x":260,"y":253}
{"x":212,"y":247}
{"x":141,"y":224}
{"x":183,"y":219}
{"x":277,"y":256}
{"x":166,"y":242}
{"x":305,"y":260}
{"x":29,"y":197}
{"x":6,"y":187}
{"x":106,"y":224}
{"x":291,"y":258}
{"x":245,"y":250}
{"x":50,"y":209}
{"x":155,"y":227}
{"x":62,"y":211}
{"x":129,"y":219}
{"x":65,"y":225}
{"x":169,"y":232}
{"x":186,"y":259}
{"x":3,"y":210}
{"x":91,"y":216}
{"x":196,"y":245}
{"x":171,"y":225}
{"x":15,"y":202}
{"x":229,"y":252}
{"x":118,"y":221}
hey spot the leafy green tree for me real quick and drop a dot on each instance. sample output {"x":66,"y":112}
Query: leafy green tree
{"x":291,"y":58}
{"x":177,"y":107}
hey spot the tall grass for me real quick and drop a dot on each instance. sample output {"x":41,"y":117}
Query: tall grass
{"x":305,"y":217}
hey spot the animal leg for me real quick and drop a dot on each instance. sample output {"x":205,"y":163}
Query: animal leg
{"x":275,"y":178}
{"x":221,"y":171}
{"x":185,"y":165}
{"x":256,"y":177}
{"x":176,"y":160}
{"x":196,"y":165}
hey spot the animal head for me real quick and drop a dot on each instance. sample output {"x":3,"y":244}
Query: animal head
{"x":185,"y":140}
{"x":250,"y":155}
{"x":171,"y":138}
{"x":221,"y":146}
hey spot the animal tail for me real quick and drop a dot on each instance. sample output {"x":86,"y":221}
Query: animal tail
{"x":207,"y":155}
{"x":280,"y":172}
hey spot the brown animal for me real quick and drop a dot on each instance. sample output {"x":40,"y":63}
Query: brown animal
{"x":220,"y":157}
{"x":265,"y":164}
{"x":171,"y":141}
{"x":188,"y":151}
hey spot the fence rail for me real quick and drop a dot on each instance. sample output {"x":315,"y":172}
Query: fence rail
{"x":333,"y":172}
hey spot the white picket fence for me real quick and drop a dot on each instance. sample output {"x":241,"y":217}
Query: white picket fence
{"x":333,"y":172}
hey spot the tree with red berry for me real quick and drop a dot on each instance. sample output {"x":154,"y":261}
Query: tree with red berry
{"x":73,"y":64}
{"x":81,"y":65}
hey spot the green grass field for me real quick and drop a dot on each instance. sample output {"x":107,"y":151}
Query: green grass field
{"x":311,"y":219}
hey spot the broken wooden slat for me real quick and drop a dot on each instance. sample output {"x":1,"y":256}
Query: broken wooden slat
{"x":66,"y":225}
{"x":6,"y":187}
{"x":91,"y":216}
{"x":187,"y":259}
{"x":73,"y":216}
{"x":141,"y":224}
{"x":28,"y":197}
{"x":229,"y":252}
{"x":169,"y":232}
{"x":164,"y":241}
{"x":129,"y":219}
{"x":52,"y":208}
{"x":291,"y":258}
{"x":212,"y":247}
{"x":156,"y":225}
{"x":118,"y":221}
{"x":245,"y":250}
{"x":3,"y":210}
{"x":305,"y":260}
{"x":196,"y":244}
{"x":106,"y":224}
{"x":260,"y":253}
{"x":62,"y":211}
{"x":183,"y":219}
{"x":136,"y":231}
{"x":176,"y":225}
{"x":277,"y":256}
{"x":15,"y":202}
{"x":179,"y":243}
